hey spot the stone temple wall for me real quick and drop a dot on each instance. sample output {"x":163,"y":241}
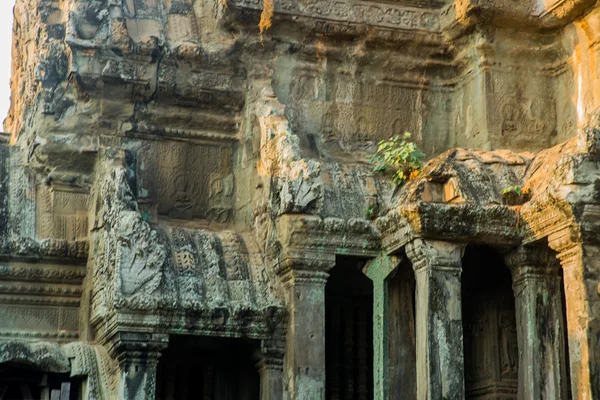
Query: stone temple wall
{"x":173,"y":178}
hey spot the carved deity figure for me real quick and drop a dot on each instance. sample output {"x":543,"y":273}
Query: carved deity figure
{"x":508,"y":342}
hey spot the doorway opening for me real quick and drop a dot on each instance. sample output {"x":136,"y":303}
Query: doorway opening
{"x":489,"y":326}
{"x":20,"y":381}
{"x":402,"y":333}
{"x":207,"y":368}
{"x":349,"y":332}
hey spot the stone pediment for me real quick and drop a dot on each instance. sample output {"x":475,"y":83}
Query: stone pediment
{"x":169,"y":277}
{"x":467,"y":176}
{"x":208,"y":283}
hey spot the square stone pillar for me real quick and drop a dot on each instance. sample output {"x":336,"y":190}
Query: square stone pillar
{"x":270,"y":370}
{"x":138,"y":354}
{"x":581,"y":274}
{"x":540,"y":324}
{"x":378,"y":271}
{"x":440,"y":359}
{"x":304,"y":367}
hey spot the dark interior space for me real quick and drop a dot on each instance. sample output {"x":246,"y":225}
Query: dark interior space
{"x":207,"y":368}
{"x":349,"y":332}
{"x":22,"y":382}
{"x":489,"y":323}
{"x":402,"y":334}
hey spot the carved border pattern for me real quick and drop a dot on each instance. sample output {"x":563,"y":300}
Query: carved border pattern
{"x":385,"y":15}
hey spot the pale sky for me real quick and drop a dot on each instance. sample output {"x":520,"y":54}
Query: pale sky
{"x":6,"y":20}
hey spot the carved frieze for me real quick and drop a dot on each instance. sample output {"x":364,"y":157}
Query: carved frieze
{"x":40,"y":300}
{"x":389,"y":15}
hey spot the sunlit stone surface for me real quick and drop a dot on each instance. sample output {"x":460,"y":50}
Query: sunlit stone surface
{"x":187,"y":210}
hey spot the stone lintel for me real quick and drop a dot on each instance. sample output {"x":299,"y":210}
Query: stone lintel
{"x":496,"y":225}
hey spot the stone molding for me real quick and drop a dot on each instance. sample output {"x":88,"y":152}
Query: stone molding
{"x":435,"y":255}
{"x":131,"y":348}
{"x":371,"y":13}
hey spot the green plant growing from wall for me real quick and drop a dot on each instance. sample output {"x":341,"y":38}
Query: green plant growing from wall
{"x":398,"y":156}
{"x":514,"y":195}
{"x":371,"y":213}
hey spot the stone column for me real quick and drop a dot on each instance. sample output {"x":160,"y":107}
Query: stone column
{"x":304,"y":282}
{"x":440,"y":359}
{"x":270,"y":369}
{"x":138,"y":354}
{"x":581,"y":274}
{"x":540,"y":324}
{"x":378,"y":270}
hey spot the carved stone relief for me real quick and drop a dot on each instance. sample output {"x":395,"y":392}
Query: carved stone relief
{"x":354,"y":113}
{"x":62,"y":212}
{"x":186,"y":181}
{"x":380,"y":14}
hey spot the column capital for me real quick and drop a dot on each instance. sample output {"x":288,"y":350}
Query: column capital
{"x":270,"y":355}
{"x":530,"y":262}
{"x":565,"y":241}
{"x":532,"y":256}
{"x":134,"y":348}
{"x":379,"y":268}
{"x":305,"y":268}
{"x":294,"y":277}
{"x":435,"y":254}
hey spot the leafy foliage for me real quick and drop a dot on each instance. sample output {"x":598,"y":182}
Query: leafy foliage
{"x":398,"y":156}
{"x":515,"y":195}
{"x":512,"y":189}
{"x":370,"y":213}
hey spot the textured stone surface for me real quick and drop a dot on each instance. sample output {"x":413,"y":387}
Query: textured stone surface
{"x":168,"y":170}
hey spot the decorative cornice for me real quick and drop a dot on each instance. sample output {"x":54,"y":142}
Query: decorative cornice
{"x":61,"y":336}
{"x":383,"y":15}
{"x":46,"y":273}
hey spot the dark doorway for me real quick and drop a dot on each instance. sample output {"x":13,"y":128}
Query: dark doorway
{"x":21,"y":382}
{"x":402,"y":334}
{"x":349,"y":332}
{"x":207,"y":368}
{"x":489,"y":323}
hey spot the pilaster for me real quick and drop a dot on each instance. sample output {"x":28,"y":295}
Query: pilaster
{"x":378,"y":271}
{"x":304,"y":281}
{"x":138,"y":355}
{"x":270,"y":370}
{"x":581,"y":277}
{"x":440,"y":359}
{"x":540,"y":323}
